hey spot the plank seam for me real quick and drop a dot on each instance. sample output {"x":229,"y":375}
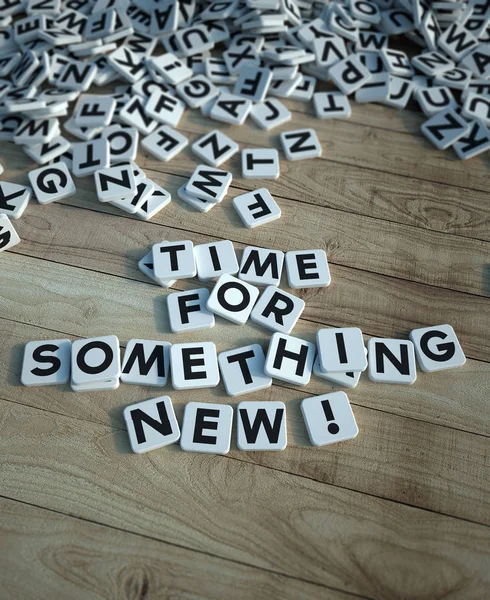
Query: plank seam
{"x":16,"y":250}
{"x":233,"y":456}
{"x":181,"y":546}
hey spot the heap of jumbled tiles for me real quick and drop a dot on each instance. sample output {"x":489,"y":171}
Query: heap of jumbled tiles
{"x":339,"y":355}
{"x":230,"y":59}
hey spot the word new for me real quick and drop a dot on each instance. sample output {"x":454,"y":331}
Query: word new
{"x":260,"y":425}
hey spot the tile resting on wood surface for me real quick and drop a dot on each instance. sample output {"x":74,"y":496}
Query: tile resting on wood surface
{"x":307,"y":268}
{"x":151,"y":424}
{"x":329,"y":418}
{"x":391,"y":361}
{"x":174,"y":260}
{"x":300,"y":144}
{"x":95,"y":364}
{"x":290,"y":359}
{"x":233,"y":299}
{"x":207,"y":428}
{"x":197,"y":203}
{"x":277,"y":310}
{"x":146,"y":362}
{"x":208,"y":183}
{"x":46,"y":362}
{"x":270,"y":114}
{"x":51,"y":183}
{"x":261,"y":266}
{"x":215,"y":148}
{"x":194,"y":365}
{"x":331,"y":105}
{"x":256,"y":208}
{"x":215,"y":259}
{"x":341,"y":349}
{"x":14,"y":199}
{"x":114,"y":183}
{"x":437,"y":348}
{"x":260,"y":163}
{"x":145,"y":265}
{"x":164,"y":143}
{"x":187,"y":310}
{"x":89,"y":157}
{"x":445,"y":128}
{"x":261,"y":426}
{"x":242,"y":370}
{"x":8,"y":235}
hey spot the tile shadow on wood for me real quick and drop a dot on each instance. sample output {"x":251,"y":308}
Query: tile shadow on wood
{"x":16,"y":357}
{"x":486,"y":280}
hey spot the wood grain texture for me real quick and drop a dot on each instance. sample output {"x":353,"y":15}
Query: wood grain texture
{"x":394,"y":249}
{"x":402,"y":511}
{"x":348,"y":188}
{"x":372,"y":148}
{"x":70,"y":558}
{"x":263,"y":518}
{"x":386,"y":248}
{"x":389,"y":306}
{"x":371,"y":114}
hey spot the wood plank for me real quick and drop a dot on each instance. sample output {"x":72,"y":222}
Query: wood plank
{"x":52,"y":233}
{"x":429,"y":257}
{"x":412,"y":475}
{"x":353,"y":240}
{"x":65,"y":557}
{"x":287,"y":524}
{"x":391,"y":197}
{"x":363,"y":146}
{"x":373,"y":115}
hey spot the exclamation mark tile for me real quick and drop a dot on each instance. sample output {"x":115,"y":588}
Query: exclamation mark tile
{"x":329,"y":418}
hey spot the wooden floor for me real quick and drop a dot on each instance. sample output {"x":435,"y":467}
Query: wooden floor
{"x":403,"y":511}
